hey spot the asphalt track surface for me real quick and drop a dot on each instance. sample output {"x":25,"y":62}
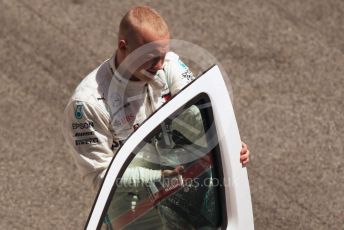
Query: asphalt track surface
{"x":285,"y":60}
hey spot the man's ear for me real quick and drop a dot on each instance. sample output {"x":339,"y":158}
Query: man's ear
{"x":122,"y":44}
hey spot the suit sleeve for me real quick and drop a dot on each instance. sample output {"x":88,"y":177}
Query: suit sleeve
{"x":86,"y":130}
{"x":178,"y":74}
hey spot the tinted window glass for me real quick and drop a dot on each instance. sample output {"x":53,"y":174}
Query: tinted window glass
{"x":172,"y":180}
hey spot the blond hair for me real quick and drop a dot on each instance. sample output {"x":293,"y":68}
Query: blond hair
{"x":142,"y":17}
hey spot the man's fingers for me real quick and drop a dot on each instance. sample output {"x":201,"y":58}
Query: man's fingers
{"x":244,"y":148}
{"x":243,"y":157}
{"x":244,"y":163}
{"x":244,"y":154}
{"x":244,"y":160}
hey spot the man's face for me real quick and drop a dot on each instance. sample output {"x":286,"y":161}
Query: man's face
{"x":152,"y":56}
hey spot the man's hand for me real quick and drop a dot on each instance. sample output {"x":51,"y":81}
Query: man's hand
{"x":172,"y":172}
{"x":244,"y":154}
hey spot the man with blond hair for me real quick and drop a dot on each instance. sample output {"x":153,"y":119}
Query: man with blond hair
{"x":97,"y":122}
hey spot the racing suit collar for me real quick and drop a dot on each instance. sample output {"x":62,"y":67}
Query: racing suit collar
{"x":125,"y":82}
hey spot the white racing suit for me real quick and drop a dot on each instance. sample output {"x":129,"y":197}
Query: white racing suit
{"x":105,"y":108}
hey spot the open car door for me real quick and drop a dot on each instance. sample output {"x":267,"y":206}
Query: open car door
{"x":181,"y":168}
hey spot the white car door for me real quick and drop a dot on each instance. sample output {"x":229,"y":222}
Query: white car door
{"x":181,"y":168}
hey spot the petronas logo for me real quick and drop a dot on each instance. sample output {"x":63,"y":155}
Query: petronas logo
{"x":79,"y":112}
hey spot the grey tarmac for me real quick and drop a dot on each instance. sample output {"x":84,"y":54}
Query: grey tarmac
{"x":285,"y":61}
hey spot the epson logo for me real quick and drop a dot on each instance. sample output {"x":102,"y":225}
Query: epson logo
{"x":85,"y":125}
